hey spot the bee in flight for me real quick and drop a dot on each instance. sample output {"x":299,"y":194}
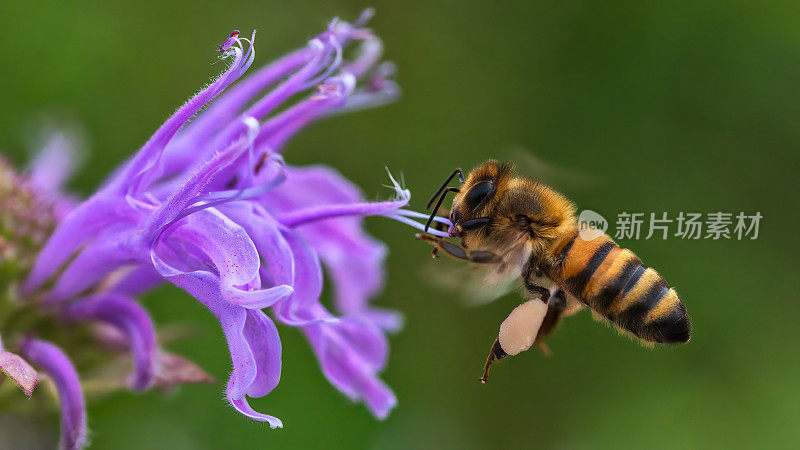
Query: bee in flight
{"x":517,"y":225}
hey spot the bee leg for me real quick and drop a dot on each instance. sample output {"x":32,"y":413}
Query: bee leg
{"x":431,"y":239}
{"x":555,"y":310}
{"x":544,"y":348}
{"x":556,"y":301}
{"x":519,"y":331}
{"x":529,"y":276}
{"x":455,"y":251}
{"x":544,"y":293}
{"x":495,"y":354}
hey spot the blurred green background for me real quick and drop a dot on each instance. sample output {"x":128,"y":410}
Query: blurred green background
{"x":663,"y":106}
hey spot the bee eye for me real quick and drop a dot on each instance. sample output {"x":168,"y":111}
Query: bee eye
{"x":478,"y":195}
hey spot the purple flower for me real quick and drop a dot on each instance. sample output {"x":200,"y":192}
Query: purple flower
{"x":211,"y":207}
{"x":32,"y":205}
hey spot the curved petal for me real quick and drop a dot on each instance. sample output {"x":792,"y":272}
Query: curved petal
{"x":246,"y":332}
{"x":243,"y":407}
{"x":187,"y":192}
{"x":16,"y":368}
{"x":353,"y":259}
{"x":319,"y":58}
{"x":143,"y":167}
{"x":224,"y":242}
{"x":303,"y":307}
{"x":301,"y":70}
{"x":366,"y":340}
{"x":137,"y":281}
{"x":110,"y":251}
{"x":182,"y":151}
{"x":224,"y":245}
{"x":266,"y":233}
{"x":73,"y":409}
{"x":332,"y":95}
{"x":265,"y":343}
{"x":258,"y":298}
{"x":129,"y":317}
{"x":349,"y":352}
{"x":81,"y":224}
{"x":345,"y":368}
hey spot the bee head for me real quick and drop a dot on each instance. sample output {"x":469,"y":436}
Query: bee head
{"x":495,"y":208}
{"x":478,"y":198}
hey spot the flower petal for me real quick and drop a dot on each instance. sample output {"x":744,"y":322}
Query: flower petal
{"x":266,"y":233}
{"x":81,"y":224}
{"x":224,"y":245}
{"x":224,"y":242}
{"x":250,"y":371}
{"x":353,"y":259}
{"x":366,"y":340}
{"x":243,"y":407}
{"x":143,"y":167}
{"x":320,"y":50}
{"x":110,"y":251}
{"x":73,"y":410}
{"x":387,"y":320}
{"x":303,"y":216}
{"x":16,"y":368}
{"x":262,"y":335}
{"x":332,"y":95}
{"x":137,"y":281}
{"x":345,"y":368}
{"x":174,"y":370}
{"x":369,"y":53}
{"x":312,"y":186}
{"x":182,"y":151}
{"x":303,"y":307}
{"x":130,"y":318}
{"x":55,"y":160}
{"x":178,"y":204}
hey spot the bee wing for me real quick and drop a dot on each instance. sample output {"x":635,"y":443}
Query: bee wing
{"x":475,"y":284}
{"x":530,"y":165}
{"x":479,"y":284}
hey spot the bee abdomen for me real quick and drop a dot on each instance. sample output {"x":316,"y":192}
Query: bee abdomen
{"x":614,"y":282}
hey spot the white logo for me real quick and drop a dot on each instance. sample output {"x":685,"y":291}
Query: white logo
{"x":591,"y":225}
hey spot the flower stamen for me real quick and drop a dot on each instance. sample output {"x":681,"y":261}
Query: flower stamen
{"x":229,"y":42}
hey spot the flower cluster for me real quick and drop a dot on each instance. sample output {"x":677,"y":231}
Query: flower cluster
{"x":100,"y":330}
{"x":210,"y":206}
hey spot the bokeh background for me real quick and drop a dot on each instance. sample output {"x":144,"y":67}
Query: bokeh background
{"x":657,"y":106}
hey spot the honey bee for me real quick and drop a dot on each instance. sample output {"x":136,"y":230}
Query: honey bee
{"x":512,"y":223}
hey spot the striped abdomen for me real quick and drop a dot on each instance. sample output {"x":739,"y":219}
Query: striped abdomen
{"x":614,"y":283}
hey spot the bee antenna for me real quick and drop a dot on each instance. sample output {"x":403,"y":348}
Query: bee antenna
{"x":444,"y":185}
{"x":438,"y":204}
